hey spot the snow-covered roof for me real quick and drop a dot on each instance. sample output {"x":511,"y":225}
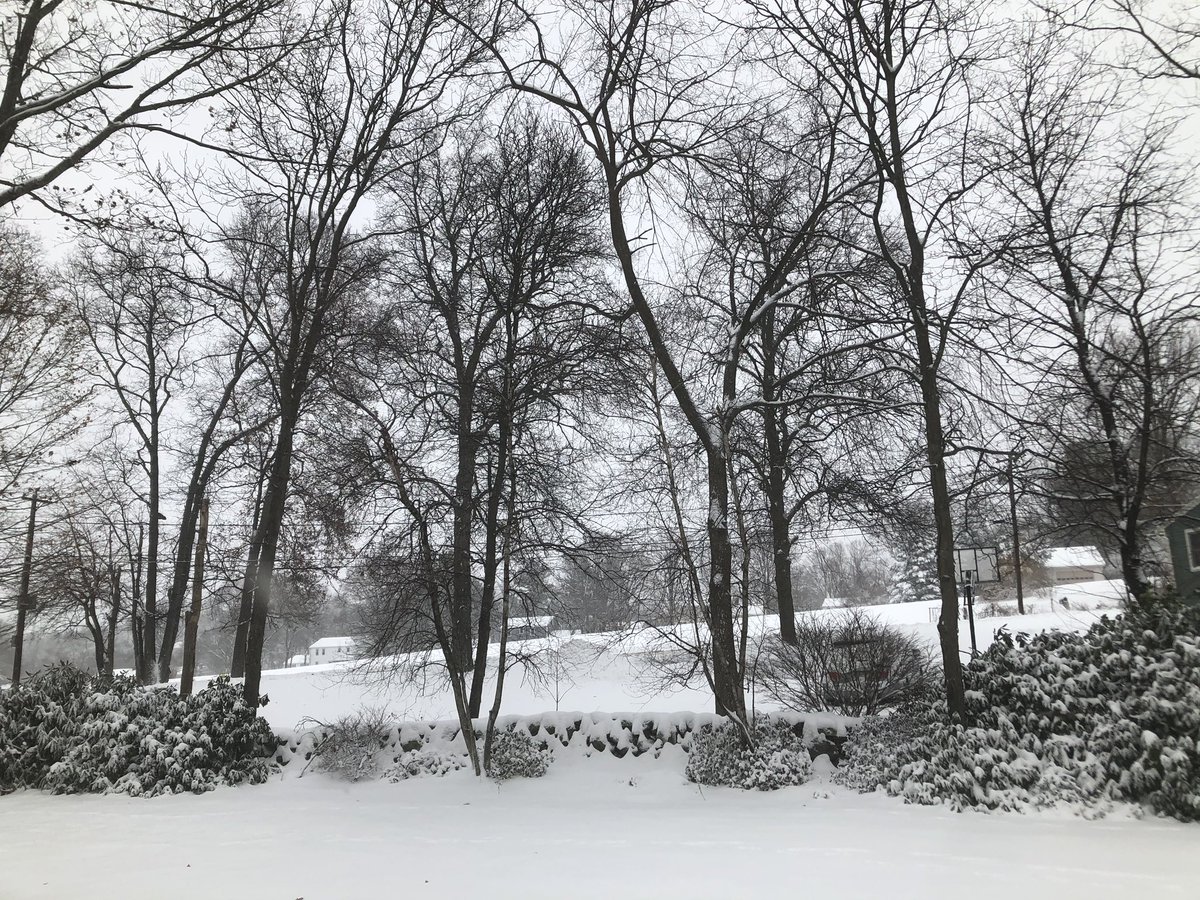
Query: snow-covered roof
{"x":835,"y":603}
{"x":332,"y":642}
{"x":1074,"y":557}
{"x":531,"y":622}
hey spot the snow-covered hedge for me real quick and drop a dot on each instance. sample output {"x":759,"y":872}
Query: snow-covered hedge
{"x":774,"y":757}
{"x":64,"y":731}
{"x":1112,"y":714}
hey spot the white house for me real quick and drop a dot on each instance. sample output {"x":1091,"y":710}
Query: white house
{"x":330,"y":649}
{"x":300,"y":659}
{"x":1071,"y":565}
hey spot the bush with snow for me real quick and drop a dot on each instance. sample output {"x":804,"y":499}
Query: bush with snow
{"x":849,"y":662}
{"x":68,"y":732}
{"x":1112,"y":714}
{"x":879,"y":745}
{"x":774,"y":756}
{"x":349,"y":748}
{"x":426,"y":762}
{"x":517,"y":755}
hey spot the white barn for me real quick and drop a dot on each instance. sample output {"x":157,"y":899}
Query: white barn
{"x":330,"y":649}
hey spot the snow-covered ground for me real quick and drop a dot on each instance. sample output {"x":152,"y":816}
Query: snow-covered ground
{"x":597,"y":827}
{"x":616,"y":674}
{"x":593,"y":827}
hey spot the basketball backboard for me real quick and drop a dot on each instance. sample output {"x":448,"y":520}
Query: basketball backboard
{"x":976,"y":565}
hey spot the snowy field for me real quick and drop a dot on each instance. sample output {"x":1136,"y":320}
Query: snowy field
{"x":614,"y":673}
{"x":593,"y":827}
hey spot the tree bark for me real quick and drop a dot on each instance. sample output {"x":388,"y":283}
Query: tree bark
{"x":944,"y":527}
{"x":729,"y":697}
{"x":781,"y":539}
{"x":269,"y":528}
{"x":23,"y":600}
{"x":490,"y":566}
{"x":110,"y":653}
{"x":150,"y":605}
{"x":192,"y":627}
{"x":461,"y":600}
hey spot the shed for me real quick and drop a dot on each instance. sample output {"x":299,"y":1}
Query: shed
{"x":1183,"y":536}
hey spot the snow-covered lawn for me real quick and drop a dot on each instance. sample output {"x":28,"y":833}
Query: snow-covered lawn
{"x":596,"y":827}
{"x":602,"y":672}
{"x":593,"y":827}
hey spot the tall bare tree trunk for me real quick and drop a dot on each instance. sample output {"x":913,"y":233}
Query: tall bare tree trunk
{"x":270,"y":525}
{"x":237,"y":666}
{"x":781,"y":539}
{"x":110,"y":652}
{"x":192,"y":626}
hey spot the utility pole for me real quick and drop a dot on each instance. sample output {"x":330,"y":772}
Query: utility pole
{"x":1016,"y":535}
{"x":23,"y":601}
{"x":192,"y":620}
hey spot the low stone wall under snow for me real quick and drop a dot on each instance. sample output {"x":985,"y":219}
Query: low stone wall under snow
{"x":589,"y":734}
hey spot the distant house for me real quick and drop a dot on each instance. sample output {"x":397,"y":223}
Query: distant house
{"x":836,"y":603}
{"x":1071,"y":565}
{"x":300,"y":659}
{"x":330,"y":649}
{"x":529,"y":627}
{"x":1183,"y":535}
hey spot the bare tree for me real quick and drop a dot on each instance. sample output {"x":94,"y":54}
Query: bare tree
{"x":346,"y":111}
{"x":483,"y":349}
{"x":633,"y":81}
{"x":77,"y":73}
{"x":39,"y":347}
{"x":1099,"y":275}
{"x":1161,"y":35}
{"x":903,"y":70}
{"x":848,"y":662}
{"x":76,"y":578}
{"x":138,"y":319}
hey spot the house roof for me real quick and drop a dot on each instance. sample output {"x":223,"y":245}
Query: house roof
{"x":531,"y":622}
{"x":332,"y":642}
{"x":1074,"y":557}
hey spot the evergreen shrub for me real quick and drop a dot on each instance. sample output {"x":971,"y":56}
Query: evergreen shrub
{"x":774,"y":757}
{"x":1084,"y":720}
{"x":517,"y":755}
{"x":66,"y":731}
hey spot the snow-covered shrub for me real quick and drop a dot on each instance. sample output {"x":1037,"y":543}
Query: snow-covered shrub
{"x":68,"y":732}
{"x":849,"y":663}
{"x":349,"y":747}
{"x":879,"y":745}
{"x":516,"y":755}
{"x":428,"y":761}
{"x":37,"y":723}
{"x":1086,"y":719}
{"x":774,"y":758}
